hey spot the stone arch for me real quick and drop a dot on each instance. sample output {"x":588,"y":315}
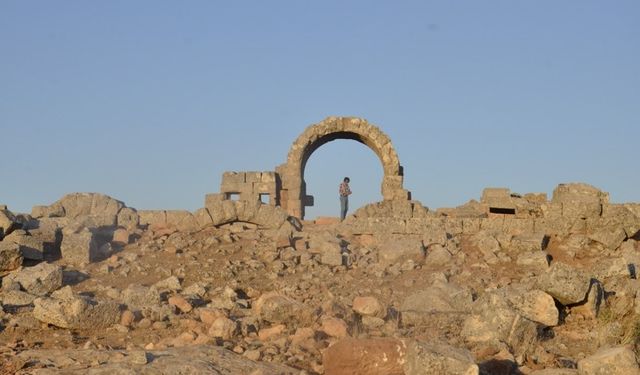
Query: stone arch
{"x":293,"y":195}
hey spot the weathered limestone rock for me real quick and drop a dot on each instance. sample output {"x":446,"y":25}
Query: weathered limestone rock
{"x":611,"y":267}
{"x":139,"y":297}
{"x":181,"y":303}
{"x":395,"y":249}
{"x":537,"y":261}
{"x":66,"y":310}
{"x":365,"y":357}
{"x":79,"y":245}
{"x":530,"y":242}
{"x":16,"y":298}
{"x":7,"y":223}
{"x":223,"y":328}
{"x":555,"y":371}
{"x":610,"y":237}
{"x":128,"y":218}
{"x":495,"y":320}
{"x":54,"y":210}
{"x":433,"y":358}
{"x":89,"y":204}
{"x":38,"y":280}
{"x":368,"y":306}
{"x":438,"y":298}
{"x":203,"y":218}
{"x":194,"y":359}
{"x":335,"y":327}
{"x":487,"y":244}
{"x":595,"y":297}
{"x":30,"y":247}
{"x":537,"y":306}
{"x":566,"y":284}
{"x":10,"y":256}
{"x":437,"y":256}
{"x":610,"y":361}
{"x":267,"y":334}
{"x":579,"y":192}
{"x":171,"y":283}
{"x":276,"y":308}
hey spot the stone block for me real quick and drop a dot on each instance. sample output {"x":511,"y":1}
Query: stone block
{"x":269,"y":178}
{"x":181,"y":219}
{"x":30,"y":247}
{"x":67,"y":310}
{"x":152,"y":217}
{"x":79,"y":247}
{"x":128,"y":218}
{"x":383,"y":356}
{"x":10,"y":256}
{"x":565,"y":283}
{"x":233,"y":178}
{"x":38,"y":280}
{"x":252,"y":177}
{"x":438,"y":358}
{"x":203,"y":218}
{"x":579,"y":192}
{"x":614,"y":361}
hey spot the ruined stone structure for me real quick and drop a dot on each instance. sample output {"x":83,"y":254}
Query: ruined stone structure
{"x":286,"y":186}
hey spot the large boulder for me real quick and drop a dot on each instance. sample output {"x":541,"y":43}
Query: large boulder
{"x":365,"y":357}
{"x":67,"y":310}
{"x":138,"y":297}
{"x":79,"y":245}
{"x":38,"y":280}
{"x":537,"y":306}
{"x":10,"y":256}
{"x":446,"y":298}
{"x":610,"y":361}
{"x":276,"y":308}
{"x":8,"y":222}
{"x":495,"y":321}
{"x":31,"y":247}
{"x":434,"y":358}
{"x":565,"y":283}
{"x":396,"y":249}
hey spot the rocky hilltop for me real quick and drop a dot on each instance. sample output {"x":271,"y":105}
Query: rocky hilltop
{"x":510,"y":284}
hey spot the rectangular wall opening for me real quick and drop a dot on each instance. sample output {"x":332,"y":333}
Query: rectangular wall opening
{"x":503,"y":211}
{"x":232,"y":196}
{"x":265,"y":198}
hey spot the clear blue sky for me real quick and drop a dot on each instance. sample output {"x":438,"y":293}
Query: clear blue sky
{"x":150,"y":101}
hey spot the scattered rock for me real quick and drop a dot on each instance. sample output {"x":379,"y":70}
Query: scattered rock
{"x":335,"y":327}
{"x":223,"y":328}
{"x":565,"y":283}
{"x":434,"y":358}
{"x":610,"y":361}
{"x":64,"y":309}
{"x":38,"y":280}
{"x":365,"y":357}
{"x":368,"y":306}
{"x":181,"y":303}
{"x":10,"y":256}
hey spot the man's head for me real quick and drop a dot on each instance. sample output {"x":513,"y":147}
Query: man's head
{"x":347,"y":180}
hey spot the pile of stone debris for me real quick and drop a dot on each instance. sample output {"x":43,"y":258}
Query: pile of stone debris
{"x":90,"y":285}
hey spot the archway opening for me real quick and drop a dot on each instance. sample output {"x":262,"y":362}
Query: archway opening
{"x":326,"y":166}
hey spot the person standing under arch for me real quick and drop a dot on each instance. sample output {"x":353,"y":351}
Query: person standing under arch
{"x":344,"y":191}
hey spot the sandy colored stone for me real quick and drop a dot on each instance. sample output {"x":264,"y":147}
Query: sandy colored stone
{"x":181,"y":303}
{"x":335,"y":327}
{"x":369,"y":306}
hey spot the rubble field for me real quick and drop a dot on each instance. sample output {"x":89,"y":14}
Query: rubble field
{"x":510,"y":284}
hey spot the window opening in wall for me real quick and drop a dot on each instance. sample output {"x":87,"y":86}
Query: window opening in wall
{"x":233,"y":196}
{"x":504,"y":211}
{"x":265,"y":198}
